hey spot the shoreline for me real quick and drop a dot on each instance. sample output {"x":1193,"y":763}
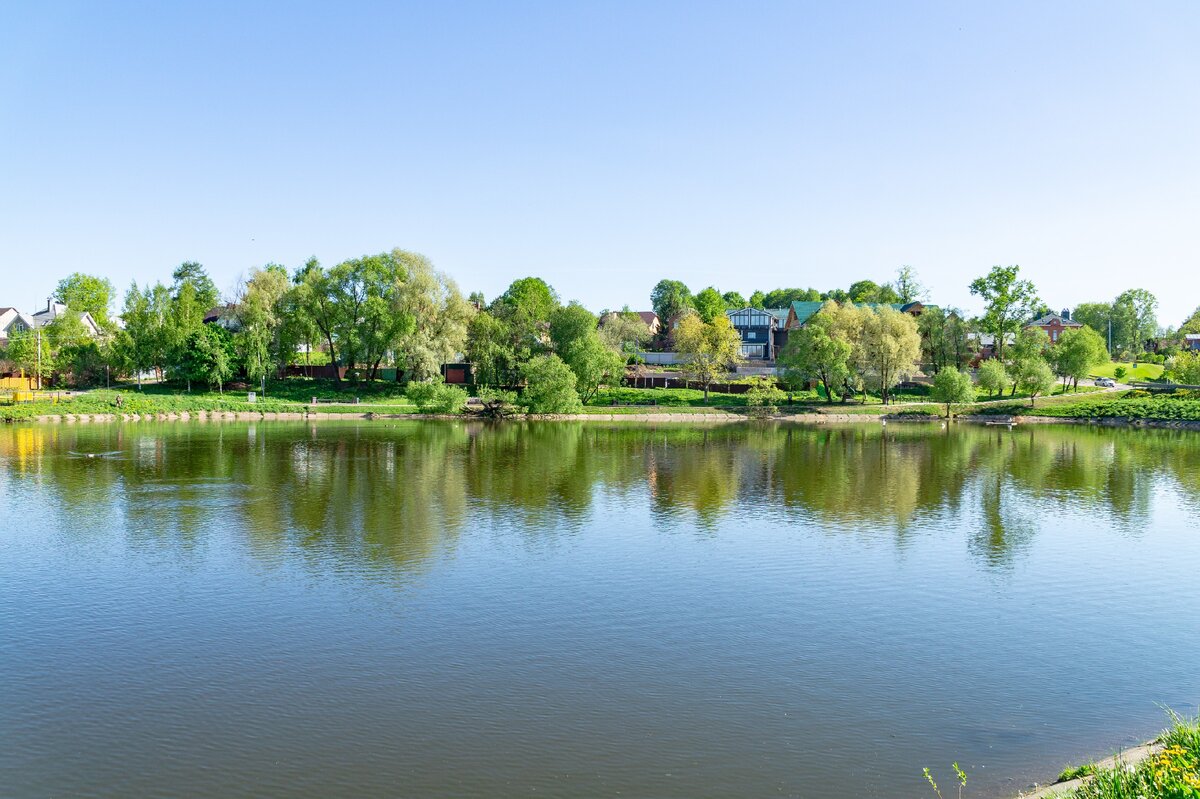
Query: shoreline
{"x":1125,"y":758}
{"x":674,"y":418}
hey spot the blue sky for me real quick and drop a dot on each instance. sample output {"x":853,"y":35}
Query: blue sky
{"x":604,"y":146}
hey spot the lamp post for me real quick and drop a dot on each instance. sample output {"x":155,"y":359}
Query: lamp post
{"x":39,"y":359}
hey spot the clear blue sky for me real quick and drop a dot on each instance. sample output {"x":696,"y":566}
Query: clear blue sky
{"x":606,"y":145}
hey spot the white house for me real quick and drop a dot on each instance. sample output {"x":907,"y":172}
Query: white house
{"x":13,"y":321}
{"x":57,"y":309}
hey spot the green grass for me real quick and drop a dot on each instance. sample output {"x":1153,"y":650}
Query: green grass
{"x":1144,"y":371}
{"x":290,"y":396}
{"x":1172,"y":774}
{"x":1075,"y":772}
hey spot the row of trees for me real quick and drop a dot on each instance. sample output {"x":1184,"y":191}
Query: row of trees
{"x":671,"y":298}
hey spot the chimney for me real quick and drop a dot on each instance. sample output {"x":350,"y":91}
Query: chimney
{"x":1066,"y":314}
{"x":49,"y":304}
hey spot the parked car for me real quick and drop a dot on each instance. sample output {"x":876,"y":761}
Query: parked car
{"x":1105,"y":382}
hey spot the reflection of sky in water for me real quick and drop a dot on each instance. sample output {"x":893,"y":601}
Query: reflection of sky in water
{"x":579,"y":610}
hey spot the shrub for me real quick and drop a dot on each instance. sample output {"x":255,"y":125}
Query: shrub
{"x":434,"y":396}
{"x":550,"y":386}
{"x":763,"y":397}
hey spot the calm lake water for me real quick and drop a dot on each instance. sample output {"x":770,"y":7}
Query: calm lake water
{"x":425,"y":609}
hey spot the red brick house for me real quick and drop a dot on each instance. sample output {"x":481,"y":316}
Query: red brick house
{"x":1055,"y":324}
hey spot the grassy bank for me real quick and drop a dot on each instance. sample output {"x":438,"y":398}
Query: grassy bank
{"x":1144,"y":371}
{"x":290,"y":396}
{"x":1172,"y":773}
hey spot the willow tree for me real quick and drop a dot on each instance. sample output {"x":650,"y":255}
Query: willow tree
{"x":439,"y":316}
{"x":891,"y":347}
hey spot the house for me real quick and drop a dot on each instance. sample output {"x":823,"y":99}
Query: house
{"x":649,"y":317}
{"x":56,"y":309}
{"x":763,"y":331}
{"x":800,"y":312}
{"x":225,"y":316}
{"x":1191,"y":341}
{"x":1055,"y":324}
{"x":652,"y":321}
{"x":13,"y":322}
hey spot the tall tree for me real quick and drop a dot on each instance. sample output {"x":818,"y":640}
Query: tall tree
{"x":440,"y":317}
{"x":709,"y":350}
{"x":1077,"y":351}
{"x":817,"y":351}
{"x":734,"y":300}
{"x":908,"y":287}
{"x":577,"y":342}
{"x":490,"y":350}
{"x":1009,"y":300}
{"x":1134,"y":321}
{"x":670,"y":298}
{"x":710,"y":304}
{"x":758,"y":300}
{"x":525,"y":307}
{"x":891,"y":347}
{"x":86,"y":294}
{"x":1192,"y":323}
{"x":260,"y":311}
{"x":1027,"y":356}
{"x":314,"y":300}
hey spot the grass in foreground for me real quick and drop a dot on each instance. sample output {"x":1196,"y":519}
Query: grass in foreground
{"x":1174,"y":773}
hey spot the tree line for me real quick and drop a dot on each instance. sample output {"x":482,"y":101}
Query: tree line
{"x":395,"y":310}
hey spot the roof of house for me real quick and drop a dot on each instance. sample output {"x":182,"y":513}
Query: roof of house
{"x":1053,"y":319}
{"x":804,"y":310}
{"x":1191,"y":336}
{"x":649,"y":317}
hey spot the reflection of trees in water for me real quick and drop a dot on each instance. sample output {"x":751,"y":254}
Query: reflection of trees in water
{"x":393,"y":495}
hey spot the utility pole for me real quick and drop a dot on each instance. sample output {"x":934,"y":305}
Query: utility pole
{"x":39,"y":358}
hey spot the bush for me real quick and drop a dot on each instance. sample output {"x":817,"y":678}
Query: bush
{"x":550,"y":386}
{"x":434,"y":396}
{"x":763,"y":397}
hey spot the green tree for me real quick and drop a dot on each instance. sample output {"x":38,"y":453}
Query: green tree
{"x":734,"y":301}
{"x":782,"y":298}
{"x":142,"y":344}
{"x":1191,"y":324}
{"x":624,"y":331}
{"x":440,"y":317}
{"x":1134,"y":321}
{"x":86,"y":294}
{"x":1184,"y":368}
{"x":1009,"y":300}
{"x":490,"y":350}
{"x":1035,"y":377}
{"x":868,"y":291}
{"x":203,"y":290}
{"x":757,"y":300}
{"x":709,"y":350}
{"x":891,"y":347}
{"x":670,"y":298}
{"x":260,"y":315}
{"x":1028,"y":349}
{"x":549,"y":386}
{"x":29,"y":351}
{"x":993,"y":377}
{"x":952,"y":387}
{"x":577,"y":341}
{"x":525,"y":307}
{"x":709,"y":304}
{"x":816,"y":351}
{"x":908,"y":287}
{"x":207,"y":356}
{"x":1077,"y":351}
